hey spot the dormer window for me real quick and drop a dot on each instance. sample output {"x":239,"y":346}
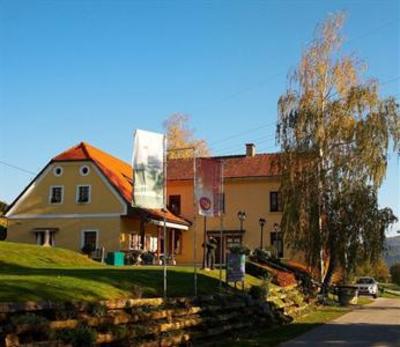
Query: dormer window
{"x":83,"y":194}
{"x":56,"y":194}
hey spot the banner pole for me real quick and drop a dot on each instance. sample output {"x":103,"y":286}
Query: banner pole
{"x":221,"y":229}
{"x":194,"y":223}
{"x":165,"y":221}
{"x":205,"y":242}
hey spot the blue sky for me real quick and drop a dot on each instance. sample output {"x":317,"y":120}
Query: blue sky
{"x":96,"y":70}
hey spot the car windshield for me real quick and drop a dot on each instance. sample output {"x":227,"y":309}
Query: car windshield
{"x":365,"y":281}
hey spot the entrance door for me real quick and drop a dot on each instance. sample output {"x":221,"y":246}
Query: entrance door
{"x":276,"y":242}
{"x":227,"y":242}
{"x":218,"y":250}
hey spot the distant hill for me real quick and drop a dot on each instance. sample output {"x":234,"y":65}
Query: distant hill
{"x":392,"y":254}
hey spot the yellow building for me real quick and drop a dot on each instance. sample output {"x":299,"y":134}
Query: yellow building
{"x":83,"y":196}
{"x":251,"y":185}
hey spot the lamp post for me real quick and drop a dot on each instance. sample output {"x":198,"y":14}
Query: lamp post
{"x":277,"y":240}
{"x":261,"y":222}
{"x":242,"y":217}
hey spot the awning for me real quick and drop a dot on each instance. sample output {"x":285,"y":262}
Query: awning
{"x":169,"y":224}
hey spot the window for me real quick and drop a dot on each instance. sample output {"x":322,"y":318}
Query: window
{"x":45,"y":238}
{"x":175,"y":204}
{"x":83,"y":194}
{"x":84,"y":170}
{"x":134,"y":241}
{"x":275,"y":201}
{"x":56,"y":194}
{"x":150,"y":243}
{"x":89,"y":238}
{"x":58,"y":171}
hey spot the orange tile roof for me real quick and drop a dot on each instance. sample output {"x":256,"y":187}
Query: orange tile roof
{"x":239,"y":166}
{"x":118,"y":173}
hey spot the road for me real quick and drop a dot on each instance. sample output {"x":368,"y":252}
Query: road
{"x":373,"y":325}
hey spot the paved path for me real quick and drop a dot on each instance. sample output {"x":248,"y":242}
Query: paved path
{"x":373,"y":325}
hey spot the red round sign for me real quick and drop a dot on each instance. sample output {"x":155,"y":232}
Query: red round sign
{"x":205,"y":203}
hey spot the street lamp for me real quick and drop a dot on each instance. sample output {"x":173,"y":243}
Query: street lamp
{"x":242,"y":217}
{"x":277,"y":238}
{"x":261,"y":222}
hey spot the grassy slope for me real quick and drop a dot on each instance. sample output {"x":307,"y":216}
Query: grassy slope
{"x":29,"y":272}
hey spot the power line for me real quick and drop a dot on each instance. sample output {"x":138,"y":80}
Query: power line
{"x":256,"y":129}
{"x":251,"y":130}
{"x":17,"y":168}
{"x":272,"y":76}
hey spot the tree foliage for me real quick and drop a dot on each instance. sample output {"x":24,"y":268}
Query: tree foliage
{"x":3,"y":207}
{"x":180,"y":136}
{"x":379,"y":270}
{"x":395,"y":273}
{"x":334,"y":131}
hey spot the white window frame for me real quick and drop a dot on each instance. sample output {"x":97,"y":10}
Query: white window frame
{"x":51,"y":194}
{"x":130,"y":240}
{"x":81,"y":170}
{"x":77,"y":194}
{"x":55,"y":169}
{"x":89,"y":230}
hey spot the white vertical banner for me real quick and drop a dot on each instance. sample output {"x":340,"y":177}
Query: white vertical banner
{"x":148,"y":163}
{"x":209,"y":183}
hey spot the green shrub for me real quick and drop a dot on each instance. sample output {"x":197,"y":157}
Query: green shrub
{"x":258,"y":292}
{"x":97,"y":310}
{"x":240,"y":249}
{"x":29,"y":319}
{"x":80,"y":337}
{"x":148,"y":258}
{"x":3,"y":232}
{"x":264,"y":254}
{"x":395,"y":273}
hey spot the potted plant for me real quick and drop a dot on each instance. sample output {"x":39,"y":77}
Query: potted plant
{"x":240,"y":250}
{"x":147,"y":258}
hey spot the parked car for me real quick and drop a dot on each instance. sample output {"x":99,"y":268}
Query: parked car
{"x":367,"y":286}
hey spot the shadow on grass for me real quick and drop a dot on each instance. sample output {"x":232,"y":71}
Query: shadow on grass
{"x":19,"y":283}
{"x":304,"y":334}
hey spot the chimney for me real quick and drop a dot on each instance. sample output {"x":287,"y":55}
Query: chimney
{"x":250,"y":149}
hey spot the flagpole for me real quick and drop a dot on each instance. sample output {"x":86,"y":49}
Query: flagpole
{"x":194,"y":224}
{"x":221,"y":230}
{"x":165,"y":221}
{"x":204,"y":242}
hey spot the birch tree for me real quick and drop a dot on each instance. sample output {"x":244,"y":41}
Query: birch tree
{"x":335,"y":133}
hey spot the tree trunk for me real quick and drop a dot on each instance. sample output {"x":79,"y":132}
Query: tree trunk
{"x":332,"y":265}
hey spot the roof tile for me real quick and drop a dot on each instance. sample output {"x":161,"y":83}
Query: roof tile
{"x":118,"y":173}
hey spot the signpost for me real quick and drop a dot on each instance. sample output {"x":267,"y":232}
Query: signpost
{"x":235,"y":267}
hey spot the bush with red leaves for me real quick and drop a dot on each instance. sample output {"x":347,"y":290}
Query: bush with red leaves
{"x":283,"y":279}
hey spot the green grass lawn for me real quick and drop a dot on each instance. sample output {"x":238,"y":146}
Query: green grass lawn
{"x":318,"y":316}
{"x":390,"y":290}
{"x":29,"y":272}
